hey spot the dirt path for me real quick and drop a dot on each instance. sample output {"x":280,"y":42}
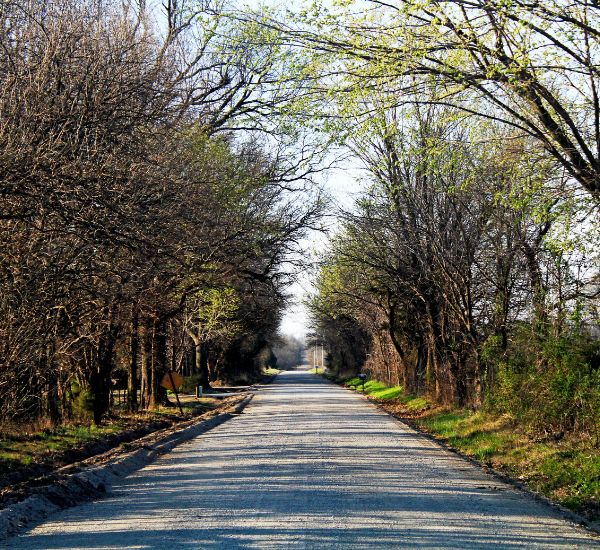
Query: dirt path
{"x":309,"y":465}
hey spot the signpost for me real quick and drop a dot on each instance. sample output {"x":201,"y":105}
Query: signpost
{"x":171,"y":381}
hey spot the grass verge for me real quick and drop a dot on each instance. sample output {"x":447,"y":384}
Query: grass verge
{"x":394,"y":394}
{"x":22,"y":449}
{"x":270,"y":372}
{"x":25,"y":447}
{"x":566,"y":470}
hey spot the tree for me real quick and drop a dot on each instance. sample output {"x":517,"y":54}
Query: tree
{"x":532,"y":66}
{"x":123,"y":194}
{"x":289,"y":351}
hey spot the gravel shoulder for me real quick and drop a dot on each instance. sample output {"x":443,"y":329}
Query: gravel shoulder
{"x":309,"y":465}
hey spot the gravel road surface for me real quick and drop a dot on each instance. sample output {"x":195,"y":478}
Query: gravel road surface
{"x":309,"y":465}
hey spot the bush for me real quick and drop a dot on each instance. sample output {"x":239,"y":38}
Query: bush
{"x":190,"y":383}
{"x":551,"y":386}
{"x":84,"y":403}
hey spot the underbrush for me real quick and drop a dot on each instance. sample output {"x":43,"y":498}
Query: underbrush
{"x":550,"y":386}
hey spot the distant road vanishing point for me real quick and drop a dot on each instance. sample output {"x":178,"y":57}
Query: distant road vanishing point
{"x":309,"y":465}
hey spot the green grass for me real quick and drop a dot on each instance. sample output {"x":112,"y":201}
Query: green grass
{"x":567,"y":471}
{"x":270,"y":372}
{"x":23,"y":445}
{"x":414,"y":403}
{"x":445,"y":424}
{"x":388,"y":393}
{"x":21,"y":449}
{"x":579,"y":471}
{"x":374,"y":388}
{"x":321,"y":371}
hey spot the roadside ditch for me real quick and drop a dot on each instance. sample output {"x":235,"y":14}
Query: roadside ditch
{"x":32,"y":499}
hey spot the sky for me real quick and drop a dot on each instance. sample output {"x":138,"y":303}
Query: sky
{"x":343,"y":184}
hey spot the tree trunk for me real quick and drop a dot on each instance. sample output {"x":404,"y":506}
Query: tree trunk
{"x":201,"y":360}
{"x":52,"y":403}
{"x":204,"y":370}
{"x":419,"y":382}
{"x":538,"y":290}
{"x":406,"y":378}
{"x":158,"y":395}
{"x":132,"y":381}
{"x":100,"y":382}
{"x":146,"y":337}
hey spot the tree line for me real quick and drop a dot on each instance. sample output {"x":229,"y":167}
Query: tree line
{"x":450,"y":277}
{"x":157,"y":184}
{"x":145,"y":215}
{"x":468,"y":271}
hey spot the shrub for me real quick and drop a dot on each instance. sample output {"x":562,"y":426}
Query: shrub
{"x":84,"y":403}
{"x":190,"y":383}
{"x":552,"y":386}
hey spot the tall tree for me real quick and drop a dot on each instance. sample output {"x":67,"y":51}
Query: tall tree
{"x":530,"y":65}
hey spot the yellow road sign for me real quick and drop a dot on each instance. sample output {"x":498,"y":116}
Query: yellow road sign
{"x":171,"y":381}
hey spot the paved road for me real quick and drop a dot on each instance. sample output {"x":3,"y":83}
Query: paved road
{"x":309,"y":465}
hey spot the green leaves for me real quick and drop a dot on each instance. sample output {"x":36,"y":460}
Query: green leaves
{"x":216,"y":311}
{"x":533,"y":67}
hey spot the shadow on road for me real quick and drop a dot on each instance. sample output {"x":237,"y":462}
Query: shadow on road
{"x":309,"y":465}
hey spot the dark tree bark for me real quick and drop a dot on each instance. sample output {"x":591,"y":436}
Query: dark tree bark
{"x":100,"y":380}
{"x":134,"y":344}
